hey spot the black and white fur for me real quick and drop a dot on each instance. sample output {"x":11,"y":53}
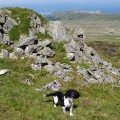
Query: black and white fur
{"x":65,"y":100}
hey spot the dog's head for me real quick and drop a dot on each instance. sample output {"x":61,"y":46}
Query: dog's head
{"x":72,"y":94}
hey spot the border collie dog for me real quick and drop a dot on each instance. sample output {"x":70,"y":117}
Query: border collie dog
{"x":65,"y":100}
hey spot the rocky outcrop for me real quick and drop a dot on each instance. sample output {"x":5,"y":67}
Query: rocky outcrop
{"x":42,"y":51}
{"x":6,"y":24}
{"x":57,"y":31}
{"x":77,"y":50}
{"x":35,"y":25}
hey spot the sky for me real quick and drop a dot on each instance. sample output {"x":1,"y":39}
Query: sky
{"x":61,"y":5}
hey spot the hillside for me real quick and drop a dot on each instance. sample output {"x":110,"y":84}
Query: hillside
{"x":102,"y":31}
{"x":35,"y":52}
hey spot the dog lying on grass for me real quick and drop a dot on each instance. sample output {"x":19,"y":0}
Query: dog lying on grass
{"x":65,"y":100}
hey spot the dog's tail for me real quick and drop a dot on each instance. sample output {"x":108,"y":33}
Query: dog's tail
{"x":51,"y":94}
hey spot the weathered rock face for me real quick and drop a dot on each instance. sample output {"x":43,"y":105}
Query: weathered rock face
{"x":75,"y":49}
{"x":35,"y":25}
{"x":57,"y":31}
{"x":6,"y":24}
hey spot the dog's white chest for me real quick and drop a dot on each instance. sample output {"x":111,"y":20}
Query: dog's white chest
{"x":67,"y":102}
{"x":55,"y":98}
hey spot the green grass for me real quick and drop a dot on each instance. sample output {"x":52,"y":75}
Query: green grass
{"x":23,"y":102}
{"x":43,"y":36}
{"x":10,"y":49}
{"x":60,"y":54}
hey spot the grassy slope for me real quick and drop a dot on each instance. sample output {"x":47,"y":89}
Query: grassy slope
{"x":22,"y":102}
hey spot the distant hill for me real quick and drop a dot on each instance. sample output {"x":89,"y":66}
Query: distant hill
{"x":82,"y":15}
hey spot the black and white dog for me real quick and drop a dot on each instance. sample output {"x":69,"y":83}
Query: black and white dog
{"x":65,"y":100}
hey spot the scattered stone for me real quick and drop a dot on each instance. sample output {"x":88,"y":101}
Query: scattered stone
{"x":36,"y":66}
{"x":13,"y":56}
{"x":44,"y":43}
{"x":50,"y":68}
{"x":55,"y":86}
{"x":25,"y":41}
{"x":46,"y":51}
{"x":4,"y":54}
{"x":28,"y":81}
{"x":4,"y":71}
{"x":30,"y":49}
{"x":67,"y":79}
{"x":6,"y":40}
{"x":19,"y":51}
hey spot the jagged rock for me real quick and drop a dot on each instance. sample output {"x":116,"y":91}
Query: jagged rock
{"x":13,"y":56}
{"x":95,"y":75}
{"x":19,"y":51}
{"x":4,"y":71}
{"x":109,"y":68}
{"x":2,"y":18}
{"x":109,"y":79}
{"x":78,"y":33}
{"x":64,"y":67}
{"x":55,"y":86}
{"x":27,"y":81}
{"x":32,"y":31}
{"x":57,"y":31}
{"x":30,"y":49}
{"x":68,"y":78}
{"x":36,"y":66}
{"x":35,"y":25}
{"x":42,"y":61}
{"x":50,"y":68}
{"x":42,"y":30}
{"x":1,"y":36}
{"x":35,"y":21}
{"x":9,"y":24}
{"x":60,"y":74}
{"x":4,"y":53}
{"x":44,"y":43}
{"x":61,"y":70}
{"x":46,"y":51}
{"x":71,"y":56}
{"x":5,"y":12}
{"x":6,"y":40}
{"x":71,"y":47}
{"x":74,"y":50}
{"x":25,"y":41}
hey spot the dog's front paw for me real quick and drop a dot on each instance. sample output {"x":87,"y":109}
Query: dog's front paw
{"x":71,"y":114}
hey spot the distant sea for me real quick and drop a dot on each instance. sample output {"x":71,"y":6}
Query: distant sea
{"x":47,"y":10}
